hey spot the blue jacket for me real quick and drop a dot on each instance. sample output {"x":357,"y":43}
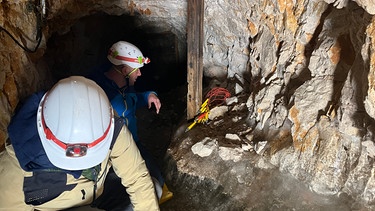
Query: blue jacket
{"x":125,"y":100}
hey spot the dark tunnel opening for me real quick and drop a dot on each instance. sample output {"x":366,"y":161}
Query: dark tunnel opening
{"x":83,"y":49}
{"x":85,"y":46}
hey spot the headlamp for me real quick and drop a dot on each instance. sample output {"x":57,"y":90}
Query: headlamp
{"x":76,"y":150}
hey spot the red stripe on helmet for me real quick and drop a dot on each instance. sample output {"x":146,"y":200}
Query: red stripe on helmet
{"x":128,"y":59}
{"x":52,"y":137}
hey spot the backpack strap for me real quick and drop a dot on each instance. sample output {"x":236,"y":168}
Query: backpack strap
{"x":119,"y":123}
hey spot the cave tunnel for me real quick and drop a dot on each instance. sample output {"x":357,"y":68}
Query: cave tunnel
{"x":234,"y":45}
{"x":85,"y":46}
{"x":83,"y":49}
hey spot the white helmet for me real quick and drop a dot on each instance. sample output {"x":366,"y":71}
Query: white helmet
{"x":126,"y":53}
{"x":75,"y":123}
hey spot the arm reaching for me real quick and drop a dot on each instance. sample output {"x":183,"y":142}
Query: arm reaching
{"x":153,"y":98}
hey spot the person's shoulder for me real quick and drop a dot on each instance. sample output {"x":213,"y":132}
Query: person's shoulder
{"x":121,"y":142}
{"x":31,"y":103}
{"x":25,"y":119}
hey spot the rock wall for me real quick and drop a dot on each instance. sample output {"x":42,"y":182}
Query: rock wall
{"x":311,"y":67}
{"x":308,"y":66}
{"x":21,"y":73}
{"x":310,"y":73}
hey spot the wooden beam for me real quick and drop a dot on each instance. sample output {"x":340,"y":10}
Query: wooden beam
{"x":195,"y":12}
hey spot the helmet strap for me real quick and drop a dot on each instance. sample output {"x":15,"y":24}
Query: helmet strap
{"x":127,"y":75}
{"x":131,"y":72}
{"x":119,"y":71}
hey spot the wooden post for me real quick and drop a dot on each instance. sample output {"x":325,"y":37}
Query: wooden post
{"x":195,"y":12}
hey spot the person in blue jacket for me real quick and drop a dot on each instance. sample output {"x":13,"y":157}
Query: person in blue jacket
{"x":117,"y":79}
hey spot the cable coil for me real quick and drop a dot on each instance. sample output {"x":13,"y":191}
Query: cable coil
{"x":215,"y":97}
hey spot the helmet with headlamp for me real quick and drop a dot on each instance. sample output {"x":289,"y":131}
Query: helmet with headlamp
{"x":75,"y":123}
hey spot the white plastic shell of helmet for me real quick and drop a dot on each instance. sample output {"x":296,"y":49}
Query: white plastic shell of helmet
{"x":125,"y":49}
{"x":76,"y":110}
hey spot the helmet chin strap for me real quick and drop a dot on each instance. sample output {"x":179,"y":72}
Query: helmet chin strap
{"x":131,"y":72}
{"x":119,"y":71}
{"x":127,"y":75}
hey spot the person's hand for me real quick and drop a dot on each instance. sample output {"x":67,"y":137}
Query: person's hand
{"x":152,"y":98}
